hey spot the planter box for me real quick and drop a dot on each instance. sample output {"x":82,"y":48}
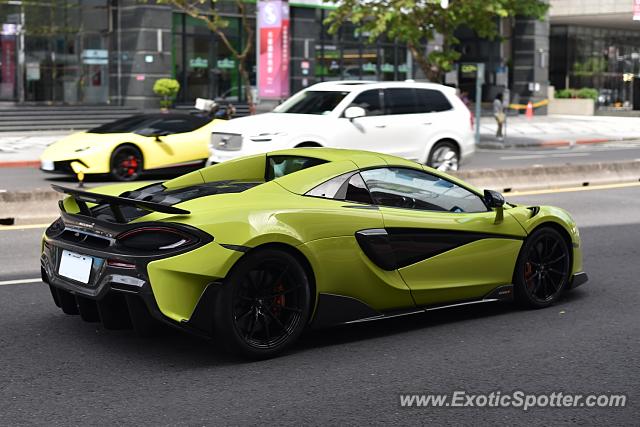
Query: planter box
{"x":572,"y":107}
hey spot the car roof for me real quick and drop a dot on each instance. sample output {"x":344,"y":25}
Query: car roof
{"x":341,"y":154}
{"x":306,"y":179}
{"x":358,"y":85}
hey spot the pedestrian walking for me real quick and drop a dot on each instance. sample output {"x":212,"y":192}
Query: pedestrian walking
{"x":498,"y":113}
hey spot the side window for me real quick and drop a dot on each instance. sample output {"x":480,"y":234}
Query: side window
{"x":357,"y":190}
{"x":329,"y":189}
{"x":349,"y":187}
{"x":400,"y":101}
{"x":415,"y":189}
{"x":370,"y":101}
{"x":278,"y":166}
{"x":431,"y":100}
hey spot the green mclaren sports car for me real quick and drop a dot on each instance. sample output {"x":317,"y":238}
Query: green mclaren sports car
{"x":253,"y":251}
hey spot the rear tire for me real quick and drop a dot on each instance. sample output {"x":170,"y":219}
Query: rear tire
{"x":444,"y":156}
{"x":264,"y":305}
{"x":543,"y":269}
{"x":126,"y":163}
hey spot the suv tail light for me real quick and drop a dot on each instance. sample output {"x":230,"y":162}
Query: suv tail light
{"x":472,"y":120}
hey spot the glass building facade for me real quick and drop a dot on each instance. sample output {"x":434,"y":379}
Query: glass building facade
{"x":602,"y":58}
{"x":55,"y":52}
{"x":111,"y":52}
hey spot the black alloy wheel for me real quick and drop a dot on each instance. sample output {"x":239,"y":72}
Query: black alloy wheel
{"x":126,"y":163}
{"x":264,"y":305}
{"x":543,"y":269}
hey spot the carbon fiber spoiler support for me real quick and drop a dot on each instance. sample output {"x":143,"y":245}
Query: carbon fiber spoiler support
{"x":83,"y":197}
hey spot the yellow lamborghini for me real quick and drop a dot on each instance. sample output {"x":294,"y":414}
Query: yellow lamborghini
{"x":128,"y":147}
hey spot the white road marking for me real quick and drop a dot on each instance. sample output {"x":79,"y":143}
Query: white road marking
{"x":530,"y":156}
{"x":22,"y":227}
{"x":20,"y":281}
{"x":570,"y":155}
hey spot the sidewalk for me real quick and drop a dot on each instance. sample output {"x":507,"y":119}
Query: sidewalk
{"x":24,"y":148}
{"x":548,"y":131}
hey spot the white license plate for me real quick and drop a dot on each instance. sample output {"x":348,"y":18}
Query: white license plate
{"x":75,"y":266}
{"x":46,"y":165}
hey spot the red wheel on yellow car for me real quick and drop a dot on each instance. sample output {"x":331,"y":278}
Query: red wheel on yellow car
{"x":126,"y":163}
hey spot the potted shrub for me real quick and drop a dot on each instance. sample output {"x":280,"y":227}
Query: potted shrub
{"x":574,"y":101}
{"x":167,"y":89}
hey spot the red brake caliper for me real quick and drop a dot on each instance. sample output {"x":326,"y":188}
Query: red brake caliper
{"x":131,"y":164}
{"x":278,"y":300}
{"x":528,"y":271}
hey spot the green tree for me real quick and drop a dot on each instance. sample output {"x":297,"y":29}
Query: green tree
{"x":207,"y":12}
{"x":416,"y":22}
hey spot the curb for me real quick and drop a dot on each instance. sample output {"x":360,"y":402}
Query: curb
{"x":21,"y":206}
{"x":554,"y":143}
{"x":20,"y":164}
{"x":553,"y":176}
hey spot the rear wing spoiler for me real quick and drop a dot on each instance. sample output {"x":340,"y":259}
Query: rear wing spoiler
{"x":115,"y":202}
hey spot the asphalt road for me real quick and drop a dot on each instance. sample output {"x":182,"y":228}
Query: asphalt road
{"x":12,"y":179}
{"x":57,"y":370}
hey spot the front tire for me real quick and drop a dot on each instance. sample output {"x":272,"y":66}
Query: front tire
{"x":126,"y":163}
{"x":444,"y":156}
{"x":264,"y":305}
{"x":543,"y":269}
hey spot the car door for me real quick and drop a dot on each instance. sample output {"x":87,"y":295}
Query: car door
{"x":446,"y":243}
{"x":180,"y":143}
{"x":437,"y":119}
{"x":406,"y":125}
{"x":364,"y":133}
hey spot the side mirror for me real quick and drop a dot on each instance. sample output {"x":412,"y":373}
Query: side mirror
{"x":354,"y":112}
{"x":493,"y":199}
{"x":159,"y":134}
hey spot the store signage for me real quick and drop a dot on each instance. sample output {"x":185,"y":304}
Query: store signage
{"x":321,"y":4}
{"x":33,"y":71}
{"x":636,"y":10}
{"x":273,"y":56}
{"x":198,"y":62}
{"x":95,"y":56}
{"x":9,"y":29}
{"x":226,"y":64}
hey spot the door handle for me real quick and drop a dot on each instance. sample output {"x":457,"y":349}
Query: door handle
{"x":381,"y":126}
{"x":426,"y":123}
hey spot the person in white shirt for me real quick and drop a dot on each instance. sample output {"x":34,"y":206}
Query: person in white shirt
{"x":498,"y":113}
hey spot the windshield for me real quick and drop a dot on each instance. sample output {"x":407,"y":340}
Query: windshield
{"x":148,"y":124}
{"x":312,"y":102}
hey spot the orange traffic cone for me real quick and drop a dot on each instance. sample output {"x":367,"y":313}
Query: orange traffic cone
{"x":529,"y":111}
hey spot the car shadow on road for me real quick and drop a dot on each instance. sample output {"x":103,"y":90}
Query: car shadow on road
{"x":421,"y":321}
{"x":178,"y":350}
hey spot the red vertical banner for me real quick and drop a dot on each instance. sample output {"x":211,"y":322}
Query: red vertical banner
{"x":284,"y":78}
{"x":7,"y":67}
{"x":273,"y":57}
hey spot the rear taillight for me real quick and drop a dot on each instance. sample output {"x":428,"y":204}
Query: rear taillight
{"x":472,"y":121}
{"x":154,"y":239}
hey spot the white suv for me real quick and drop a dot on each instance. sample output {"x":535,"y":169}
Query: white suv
{"x":425,"y":122}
